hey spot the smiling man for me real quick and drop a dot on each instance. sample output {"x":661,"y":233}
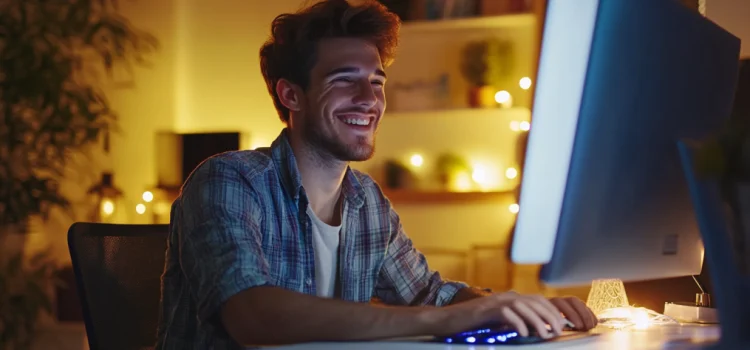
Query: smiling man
{"x":289,"y":244}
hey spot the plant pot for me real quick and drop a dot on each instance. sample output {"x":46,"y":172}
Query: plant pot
{"x":481,"y":97}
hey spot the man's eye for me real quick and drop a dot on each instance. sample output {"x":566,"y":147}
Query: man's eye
{"x":342,"y":80}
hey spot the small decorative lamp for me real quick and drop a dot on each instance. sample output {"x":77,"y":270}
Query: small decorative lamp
{"x":107,"y":199}
{"x":607,"y":294}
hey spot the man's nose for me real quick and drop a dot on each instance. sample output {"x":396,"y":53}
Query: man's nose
{"x":365,"y":95}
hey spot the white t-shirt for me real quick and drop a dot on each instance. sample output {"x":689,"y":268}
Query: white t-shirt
{"x":326,"y":247}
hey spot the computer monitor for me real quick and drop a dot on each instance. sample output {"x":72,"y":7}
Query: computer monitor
{"x":603,"y":193}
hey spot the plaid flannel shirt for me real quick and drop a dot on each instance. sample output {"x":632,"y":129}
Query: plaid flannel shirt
{"x":240,"y":222}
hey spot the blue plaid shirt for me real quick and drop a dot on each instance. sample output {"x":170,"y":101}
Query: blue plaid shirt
{"x":240,"y":222}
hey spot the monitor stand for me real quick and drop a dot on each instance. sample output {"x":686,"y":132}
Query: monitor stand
{"x":731,"y":288}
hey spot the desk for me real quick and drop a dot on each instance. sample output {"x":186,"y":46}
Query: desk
{"x":656,"y":337}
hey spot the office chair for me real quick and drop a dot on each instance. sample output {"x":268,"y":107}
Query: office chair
{"x":118,"y":274}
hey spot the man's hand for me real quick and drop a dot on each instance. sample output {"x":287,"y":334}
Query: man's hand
{"x":576,"y":312}
{"x":522,"y":312}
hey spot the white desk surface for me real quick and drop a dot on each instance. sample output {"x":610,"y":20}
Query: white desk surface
{"x":656,"y":337}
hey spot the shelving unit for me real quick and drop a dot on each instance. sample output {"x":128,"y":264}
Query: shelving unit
{"x":485,"y":22}
{"x":425,"y":197}
{"x":403,"y":196}
{"x":513,"y":112}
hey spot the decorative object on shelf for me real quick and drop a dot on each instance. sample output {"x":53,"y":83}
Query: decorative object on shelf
{"x":435,"y":10}
{"x":404,"y":9}
{"x":420,"y":95}
{"x":109,"y":203}
{"x":178,"y":154}
{"x":503,"y":7}
{"x":443,"y":9}
{"x":454,"y":173}
{"x":484,"y":65}
{"x":398,"y":176}
{"x":423,"y":197}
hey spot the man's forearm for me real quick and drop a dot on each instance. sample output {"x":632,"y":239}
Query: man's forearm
{"x":469,"y":293}
{"x":270,"y":315}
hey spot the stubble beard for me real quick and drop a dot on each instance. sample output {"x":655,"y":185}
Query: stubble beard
{"x":332,"y":149}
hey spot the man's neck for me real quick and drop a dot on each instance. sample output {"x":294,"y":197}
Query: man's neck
{"x":322,"y":180}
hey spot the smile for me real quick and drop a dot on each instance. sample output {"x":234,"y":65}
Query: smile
{"x":356,"y":119}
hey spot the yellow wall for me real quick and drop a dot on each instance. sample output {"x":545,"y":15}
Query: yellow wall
{"x":219,"y":85}
{"x":734,"y":16}
{"x":149,"y":105}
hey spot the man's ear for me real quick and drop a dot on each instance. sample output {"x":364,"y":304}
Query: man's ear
{"x":290,"y":94}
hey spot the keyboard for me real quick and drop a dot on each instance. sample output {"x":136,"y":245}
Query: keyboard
{"x":505,"y":336}
{"x":491,"y":336}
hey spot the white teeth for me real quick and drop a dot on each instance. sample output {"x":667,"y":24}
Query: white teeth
{"x":358,"y":121}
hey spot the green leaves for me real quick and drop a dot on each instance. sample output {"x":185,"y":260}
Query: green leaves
{"x":52,"y":54}
{"x":486,"y":62}
{"x":23,"y":295}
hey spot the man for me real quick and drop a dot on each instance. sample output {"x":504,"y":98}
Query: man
{"x":288,"y":244}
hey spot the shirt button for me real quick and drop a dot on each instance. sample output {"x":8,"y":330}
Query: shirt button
{"x":308,"y":281}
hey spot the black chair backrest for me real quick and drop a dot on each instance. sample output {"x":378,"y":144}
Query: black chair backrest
{"x":118,"y":272}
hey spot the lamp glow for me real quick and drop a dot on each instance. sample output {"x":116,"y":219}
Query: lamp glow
{"x":502,"y":97}
{"x":515,"y":126}
{"x":462,"y":182}
{"x":511,"y":173}
{"x":108,"y":207}
{"x":140,"y":208}
{"x":514,"y":208}
{"x":148,"y":196}
{"x":524,"y":126}
{"x":479,"y":174}
{"x":417,"y":160}
{"x":257,"y":143}
{"x":525,"y":83}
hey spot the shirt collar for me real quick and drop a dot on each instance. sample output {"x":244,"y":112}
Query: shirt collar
{"x":291,"y":180}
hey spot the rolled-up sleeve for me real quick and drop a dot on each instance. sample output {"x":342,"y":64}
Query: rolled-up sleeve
{"x":219,"y":241}
{"x":406,"y":279}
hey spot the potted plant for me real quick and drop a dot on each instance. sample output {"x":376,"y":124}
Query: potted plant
{"x":484,"y":65}
{"x":52,"y":106}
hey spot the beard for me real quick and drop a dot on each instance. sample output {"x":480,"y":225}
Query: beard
{"x":332,"y":148}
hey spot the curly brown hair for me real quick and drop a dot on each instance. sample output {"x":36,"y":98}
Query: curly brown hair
{"x":290,"y":53}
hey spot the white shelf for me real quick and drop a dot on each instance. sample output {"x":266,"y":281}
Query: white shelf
{"x":518,"y":113}
{"x":413,"y":196}
{"x":486,"y":22}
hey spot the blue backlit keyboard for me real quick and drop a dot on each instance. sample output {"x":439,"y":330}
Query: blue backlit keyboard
{"x":495,"y":336}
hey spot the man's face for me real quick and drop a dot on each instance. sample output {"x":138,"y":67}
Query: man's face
{"x":345,"y":100}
